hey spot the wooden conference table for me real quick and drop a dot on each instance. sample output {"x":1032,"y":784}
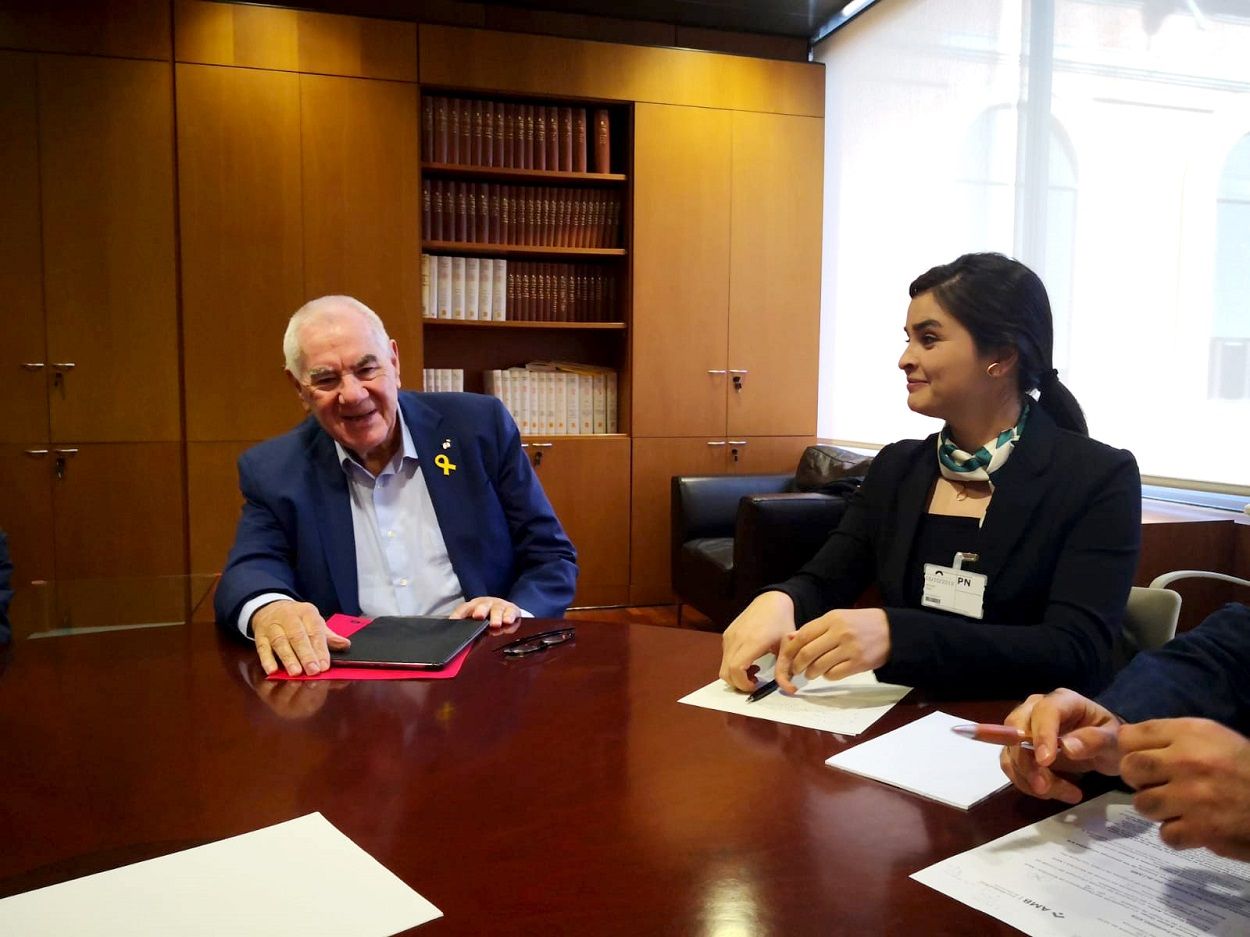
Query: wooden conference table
{"x":562,"y":793}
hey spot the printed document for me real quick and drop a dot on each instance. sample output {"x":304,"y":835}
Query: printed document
{"x":1098,"y":870}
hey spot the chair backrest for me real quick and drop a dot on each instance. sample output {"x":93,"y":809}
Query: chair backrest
{"x":1149,"y":621}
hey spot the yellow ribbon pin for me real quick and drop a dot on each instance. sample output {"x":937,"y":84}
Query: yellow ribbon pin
{"x":444,"y":463}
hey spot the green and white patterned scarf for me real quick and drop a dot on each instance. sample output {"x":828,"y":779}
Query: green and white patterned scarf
{"x":981,"y":465}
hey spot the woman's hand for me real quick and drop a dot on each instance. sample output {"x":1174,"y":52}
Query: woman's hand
{"x":839,"y":643}
{"x":759,"y":629}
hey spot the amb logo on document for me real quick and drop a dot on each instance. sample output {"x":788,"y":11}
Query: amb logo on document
{"x":1041,"y":907}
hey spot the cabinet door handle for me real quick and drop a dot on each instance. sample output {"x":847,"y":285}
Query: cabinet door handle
{"x":542,"y":445}
{"x":32,"y":365}
{"x":36,"y":453}
{"x":525,"y":445}
{"x":66,"y":451}
{"x":716,"y":442}
{"x":64,"y":365}
{"x":737,"y":442}
{"x":717,"y":371}
{"x":739,"y":371}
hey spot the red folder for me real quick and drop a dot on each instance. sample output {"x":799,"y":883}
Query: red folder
{"x":347,"y":625}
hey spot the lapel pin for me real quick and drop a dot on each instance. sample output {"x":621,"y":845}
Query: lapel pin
{"x":446,"y":443}
{"x":444,"y":463}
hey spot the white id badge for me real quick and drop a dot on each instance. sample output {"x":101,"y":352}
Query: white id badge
{"x":954,"y":589}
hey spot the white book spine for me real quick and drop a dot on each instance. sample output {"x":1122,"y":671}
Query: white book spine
{"x":561,"y":402}
{"x":500,"y":302}
{"x":457,"y":287}
{"x":586,"y":392}
{"x":472,"y":286}
{"x":601,"y":404}
{"x":444,"y":288}
{"x":572,"y":403}
{"x":611,"y":401}
{"x":486,"y":290}
{"x":428,"y":309}
{"x":508,"y":395}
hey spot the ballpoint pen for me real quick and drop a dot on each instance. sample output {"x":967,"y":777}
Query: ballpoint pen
{"x":762,"y":690}
{"x":994,"y":734}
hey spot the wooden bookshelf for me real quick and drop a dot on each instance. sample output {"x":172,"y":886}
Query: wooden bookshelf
{"x":500,"y":174}
{"x":521,"y":324}
{"x":519,"y":250}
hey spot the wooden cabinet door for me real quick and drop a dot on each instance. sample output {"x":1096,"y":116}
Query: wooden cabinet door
{"x":656,"y":461}
{"x":361,"y":200}
{"x":214,"y":502}
{"x":26,"y":510}
{"x":107,"y":193}
{"x":765,"y":455}
{"x":774,"y":284}
{"x":242,"y":247}
{"x":587,"y":481}
{"x":22,"y":351}
{"x":681,"y":269}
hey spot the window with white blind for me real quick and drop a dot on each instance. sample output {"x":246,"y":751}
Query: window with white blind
{"x":1105,"y":143}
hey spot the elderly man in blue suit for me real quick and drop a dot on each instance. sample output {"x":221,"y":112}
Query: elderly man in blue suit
{"x":384,"y":502}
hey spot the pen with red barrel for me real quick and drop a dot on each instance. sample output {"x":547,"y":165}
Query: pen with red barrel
{"x":994,"y":734}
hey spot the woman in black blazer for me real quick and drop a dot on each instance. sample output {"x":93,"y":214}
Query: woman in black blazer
{"x":1050,"y":518}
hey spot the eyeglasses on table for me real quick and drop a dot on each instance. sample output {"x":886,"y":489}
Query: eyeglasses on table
{"x":535,"y":643}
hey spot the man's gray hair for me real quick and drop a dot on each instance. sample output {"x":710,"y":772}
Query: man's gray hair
{"x":325,"y":306}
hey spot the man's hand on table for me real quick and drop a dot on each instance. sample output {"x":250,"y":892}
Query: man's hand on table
{"x":294,"y":635}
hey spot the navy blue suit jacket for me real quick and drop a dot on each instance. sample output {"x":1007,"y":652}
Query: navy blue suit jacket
{"x":1204,"y":673}
{"x":503,"y":538}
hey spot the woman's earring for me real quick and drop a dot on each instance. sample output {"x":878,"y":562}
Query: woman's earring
{"x":991,"y":370}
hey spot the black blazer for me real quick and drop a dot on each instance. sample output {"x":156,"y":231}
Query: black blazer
{"x":1059,"y":546}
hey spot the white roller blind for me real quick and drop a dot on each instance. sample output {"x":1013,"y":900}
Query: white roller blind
{"x":1106,"y":143}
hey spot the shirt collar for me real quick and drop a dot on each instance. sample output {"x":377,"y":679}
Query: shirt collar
{"x":407,"y":450}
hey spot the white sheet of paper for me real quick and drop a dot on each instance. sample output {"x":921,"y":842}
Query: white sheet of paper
{"x":925,"y":757}
{"x":846,"y":707}
{"x":1098,"y":870}
{"x":298,"y":878}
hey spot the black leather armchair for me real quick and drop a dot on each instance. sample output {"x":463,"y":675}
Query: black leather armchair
{"x":735,"y":534}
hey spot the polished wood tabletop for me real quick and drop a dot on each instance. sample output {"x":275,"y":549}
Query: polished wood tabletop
{"x":565,"y":792}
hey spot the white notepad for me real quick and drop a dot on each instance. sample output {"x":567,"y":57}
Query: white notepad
{"x":925,"y":757}
{"x":294,"y":879}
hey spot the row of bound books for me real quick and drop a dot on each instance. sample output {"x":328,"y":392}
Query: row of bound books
{"x":515,"y":136}
{"x":494,"y":290}
{"x":535,"y":216}
{"x":557,"y":398}
{"x":443,"y":379}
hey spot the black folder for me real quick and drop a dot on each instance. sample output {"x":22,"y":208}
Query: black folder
{"x":409,"y":642}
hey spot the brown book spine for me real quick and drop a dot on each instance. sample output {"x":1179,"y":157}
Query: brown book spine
{"x":466,"y":132}
{"x":483,"y":214}
{"x":520,"y":143}
{"x":549,"y":216}
{"x":454,"y":114}
{"x":462,"y":212}
{"x":603,"y":141}
{"x":540,"y":138}
{"x":562,"y":294}
{"x":525,"y":287}
{"x":529,"y":136}
{"x":500,"y":142}
{"x":509,"y":136}
{"x":470,"y":212}
{"x":434,"y":230}
{"x":427,"y":211}
{"x":488,"y":133}
{"x":441,"y":118}
{"x":479,"y":133}
{"x":579,"y":139}
{"x":553,"y":138}
{"x":427,"y":130}
{"x":566,"y":139}
{"x":600,"y":307}
{"x":614,"y":221}
{"x":496,"y":223}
